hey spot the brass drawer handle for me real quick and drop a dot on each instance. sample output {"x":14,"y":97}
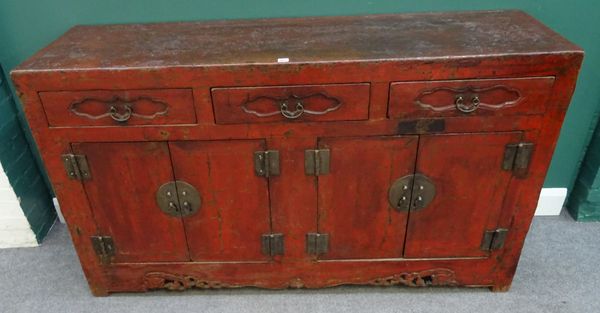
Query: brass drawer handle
{"x":467,"y":107}
{"x":285,"y":105}
{"x":119,"y":109}
{"x":120,"y":117}
{"x":284,"y":108}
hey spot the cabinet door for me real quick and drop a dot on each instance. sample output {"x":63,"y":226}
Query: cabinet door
{"x":353,"y":203}
{"x":121,"y":193}
{"x":235,"y":208}
{"x":470,"y":186}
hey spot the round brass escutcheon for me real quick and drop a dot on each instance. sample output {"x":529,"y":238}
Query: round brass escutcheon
{"x":411,"y":193}
{"x":178,"y":199}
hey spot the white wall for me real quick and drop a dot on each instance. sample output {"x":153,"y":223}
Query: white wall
{"x":14,"y":227}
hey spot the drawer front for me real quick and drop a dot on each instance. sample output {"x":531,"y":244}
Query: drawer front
{"x":119,"y":107}
{"x":478,"y":97}
{"x":340,"y":102}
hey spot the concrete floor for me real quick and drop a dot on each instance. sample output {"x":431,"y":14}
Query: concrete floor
{"x":559,"y":272}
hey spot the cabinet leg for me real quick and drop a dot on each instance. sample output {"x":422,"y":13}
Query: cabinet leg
{"x":98,"y":291}
{"x":500,"y":287}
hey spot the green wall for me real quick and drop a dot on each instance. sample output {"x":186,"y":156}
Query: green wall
{"x":27,"y":25}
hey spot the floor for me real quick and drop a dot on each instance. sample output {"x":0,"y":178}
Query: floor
{"x":559,"y":272}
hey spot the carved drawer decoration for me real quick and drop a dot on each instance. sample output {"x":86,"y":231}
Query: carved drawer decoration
{"x":470,"y":97}
{"x":120,"y":108}
{"x":289,"y":103}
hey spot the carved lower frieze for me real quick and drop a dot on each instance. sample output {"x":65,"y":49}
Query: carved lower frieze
{"x":160,"y":280}
{"x":432,"y":277}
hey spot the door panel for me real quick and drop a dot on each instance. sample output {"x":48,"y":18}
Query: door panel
{"x":235,"y":202}
{"x":353,"y":197}
{"x":121,"y":193}
{"x":470,"y":186}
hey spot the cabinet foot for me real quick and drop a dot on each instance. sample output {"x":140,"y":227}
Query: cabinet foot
{"x":500,"y":288}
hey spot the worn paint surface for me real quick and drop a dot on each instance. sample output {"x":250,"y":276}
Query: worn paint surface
{"x":300,"y":203}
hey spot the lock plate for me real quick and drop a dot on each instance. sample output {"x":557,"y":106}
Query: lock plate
{"x":178,"y":198}
{"x":423,"y":192}
{"x":399,"y":193}
{"x":411,"y":192}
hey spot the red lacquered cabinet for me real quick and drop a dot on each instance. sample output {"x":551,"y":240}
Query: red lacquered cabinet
{"x":305,"y":153}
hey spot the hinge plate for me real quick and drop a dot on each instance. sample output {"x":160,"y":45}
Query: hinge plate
{"x":266,"y":163}
{"x":104,"y":248}
{"x":316,"y":162}
{"x":317,"y":243}
{"x":517,"y":156}
{"x":272,"y":244}
{"x":493,"y":239}
{"x":76,"y":166}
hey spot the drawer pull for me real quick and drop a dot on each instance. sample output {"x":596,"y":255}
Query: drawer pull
{"x":121,"y":117}
{"x":291,"y":114}
{"x":299,"y":104}
{"x":467,"y":108}
{"x":467,"y":99}
{"x":118,"y":109}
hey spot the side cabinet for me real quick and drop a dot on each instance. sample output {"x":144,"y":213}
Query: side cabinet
{"x":300,"y":153}
{"x":178,"y":201}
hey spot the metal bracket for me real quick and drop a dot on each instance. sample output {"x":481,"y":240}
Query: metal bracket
{"x":421,"y":126}
{"x":517,"y":156}
{"x":104,"y":248}
{"x":316,"y":162}
{"x":317,"y":243}
{"x":272,"y":244}
{"x":76,"y":166}
{"x":266,"y":163}
{"x":493,"y":239}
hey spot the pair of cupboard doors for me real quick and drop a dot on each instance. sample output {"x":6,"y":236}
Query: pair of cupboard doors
{"x":375,"y":197}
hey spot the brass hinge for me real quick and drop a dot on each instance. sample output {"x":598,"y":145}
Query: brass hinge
{"x":317,"y":243}
{"x":104,"y":248}
{"x":76,"y":166}
{"x":272,"y":244}
{"x":316,"y":162}
{"x":517,"y":156}
{"x":266,"y":163}
{"x":493,"y":239}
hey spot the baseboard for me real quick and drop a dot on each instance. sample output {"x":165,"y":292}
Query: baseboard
{"x":551,"y":201}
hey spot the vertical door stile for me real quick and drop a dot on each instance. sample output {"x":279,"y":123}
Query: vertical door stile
{"x":410,"y":199}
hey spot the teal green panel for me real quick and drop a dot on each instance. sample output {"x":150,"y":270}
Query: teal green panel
{"x":26,"y":26}
{"x":21,"y":168}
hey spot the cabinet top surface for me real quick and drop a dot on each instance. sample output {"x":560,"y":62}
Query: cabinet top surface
{"x":301,"y":40}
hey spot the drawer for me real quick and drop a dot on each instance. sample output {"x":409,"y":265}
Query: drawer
{"x":320,"y":103}
{"x":119,"y":107}
{"x":515,"y":96}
